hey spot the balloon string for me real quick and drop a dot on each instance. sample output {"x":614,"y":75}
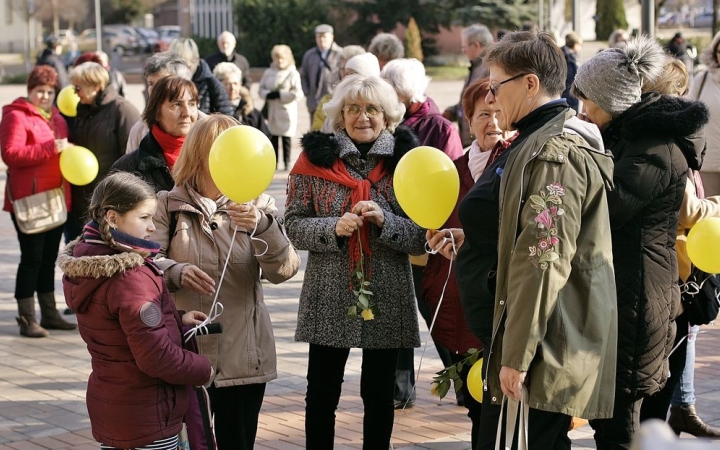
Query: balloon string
{"x":216,"y":308}
{"x":451,"y":239}
{"x":252,"y":235}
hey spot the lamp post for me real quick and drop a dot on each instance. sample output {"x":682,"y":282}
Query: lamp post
{"x":98,"y":26}
{"x":648,"y":17}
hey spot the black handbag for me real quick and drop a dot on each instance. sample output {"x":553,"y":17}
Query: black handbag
{"x":700,"y":297}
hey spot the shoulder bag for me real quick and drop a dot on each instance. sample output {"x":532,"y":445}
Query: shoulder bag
{"x":699,"y":296}
{"x":39,"y":212}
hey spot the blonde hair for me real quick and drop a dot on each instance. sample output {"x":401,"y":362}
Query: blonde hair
{"x":192,"y":164}
{"x":187,"y":49}
{"x":673,"y":81}
{"x":90,"y":74}
{"x":370,"y":89}
{"x":284,"y":51}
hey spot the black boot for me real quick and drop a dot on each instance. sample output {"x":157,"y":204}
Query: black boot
{"x":50,"y":317}
{"x":28,"y":324}
{"x":684,"y":418}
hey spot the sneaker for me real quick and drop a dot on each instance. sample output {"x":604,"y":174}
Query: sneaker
{"x":404,"y":404}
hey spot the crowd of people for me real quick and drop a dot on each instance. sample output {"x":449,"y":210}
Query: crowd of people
{"x":578,"y":186}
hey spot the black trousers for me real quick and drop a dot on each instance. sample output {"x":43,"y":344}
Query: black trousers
{"x":286,"y":149}
{"x":405,"y":373}
{"x":326,"y":368}
{"x":236,"y":410}
{"x":38,"y":252}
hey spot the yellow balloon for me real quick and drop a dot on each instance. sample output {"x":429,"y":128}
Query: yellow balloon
{"x":427,"y":186}
{"x":703,"y":245}
{"x":475,"y":381}
{"x":78,"y":165}
{"x":67,"y":101}
{"x":242,"y":163}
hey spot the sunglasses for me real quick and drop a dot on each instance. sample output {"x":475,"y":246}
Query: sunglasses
{"x":493,"y":89}
{"x":77,"y":89}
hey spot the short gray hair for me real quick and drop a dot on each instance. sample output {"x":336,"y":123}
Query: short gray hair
{"x":408,"y":78}
{"x":222,"y":70}
{"x":370,"y":89}
{"x":349,"y":51}
{"x":226,"y":33}
{"x":166,"y":62}
{"x":386,"y":47}
{"x":478,"y":33}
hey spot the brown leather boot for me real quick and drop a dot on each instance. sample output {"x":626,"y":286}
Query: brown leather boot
{"x":28,"y":324}
{"x":50,"y":317}
{"x":684,"y":418}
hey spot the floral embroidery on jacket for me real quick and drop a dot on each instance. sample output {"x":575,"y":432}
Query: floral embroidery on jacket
{"x":548,"y":209}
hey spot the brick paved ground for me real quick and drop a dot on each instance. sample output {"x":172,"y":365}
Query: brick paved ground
{"x":43,"y":381}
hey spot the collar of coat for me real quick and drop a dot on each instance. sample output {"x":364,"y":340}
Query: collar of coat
{"x":323,"y":149}
{"x":150,"y":154}
{"x":101,"y":264}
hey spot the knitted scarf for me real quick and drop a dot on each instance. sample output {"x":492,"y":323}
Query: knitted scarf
{"x":169,"y":144}
{"x":360,"y":191}
{"x":124,"y":242}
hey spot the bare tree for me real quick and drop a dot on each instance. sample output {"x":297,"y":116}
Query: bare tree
{"x":74,"y":12}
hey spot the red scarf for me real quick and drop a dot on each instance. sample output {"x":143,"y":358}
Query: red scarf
{"x":170,"y":145}
{"x":360,"y":191}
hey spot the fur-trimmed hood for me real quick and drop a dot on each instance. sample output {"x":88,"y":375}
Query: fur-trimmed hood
{"x":323,"y":149}
{"x":89,"y":266}
{"x":663,"y":116}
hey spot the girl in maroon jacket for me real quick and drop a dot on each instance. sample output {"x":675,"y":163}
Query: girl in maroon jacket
{"x":32,"y":135}
{"x":138,"y":390}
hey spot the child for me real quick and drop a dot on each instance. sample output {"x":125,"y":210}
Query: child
{"x":281,"y":88}
{"x":138,"y":390}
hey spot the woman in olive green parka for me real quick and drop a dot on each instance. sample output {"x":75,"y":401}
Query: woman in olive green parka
{"x":555,"y":320}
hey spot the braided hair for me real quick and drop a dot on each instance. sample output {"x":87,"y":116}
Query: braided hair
{"x":120,"y":192}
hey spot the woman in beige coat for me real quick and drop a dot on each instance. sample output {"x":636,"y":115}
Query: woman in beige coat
{"x":195,"y":225}
{"x":281,"y":88}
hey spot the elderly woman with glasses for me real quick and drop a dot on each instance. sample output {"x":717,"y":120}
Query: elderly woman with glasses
{"x":358,"y":290}
{"x":102,"y":125}
{"x":555,"y":320}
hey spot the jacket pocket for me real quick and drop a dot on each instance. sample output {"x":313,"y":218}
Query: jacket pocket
{"x":242,"y":251}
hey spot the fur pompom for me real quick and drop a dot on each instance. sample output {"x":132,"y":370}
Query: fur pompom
{"x":645,"y":57}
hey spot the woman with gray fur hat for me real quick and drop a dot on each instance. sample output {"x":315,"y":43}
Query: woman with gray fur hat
{"x":646,"y":134}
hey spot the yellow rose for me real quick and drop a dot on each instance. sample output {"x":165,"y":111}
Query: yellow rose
{"x":367,"y":314}
{"x":434,"y":389}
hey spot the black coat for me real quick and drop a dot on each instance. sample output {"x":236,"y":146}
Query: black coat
{"x":50,"y":58}
{"x":148,"y":163}
{"x":212,"y":96}
{"x":237,"y":59}
{"x":572,"y":68}
{"x":255,"y":119}
{"x":652,"y":153}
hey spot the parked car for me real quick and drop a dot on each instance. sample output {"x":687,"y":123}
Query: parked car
{"x":671,"y":19}
{"x":121,"y":39}
{"x":167,"y":34}
{"x":149,"y":38}
{"x":703,"y":20}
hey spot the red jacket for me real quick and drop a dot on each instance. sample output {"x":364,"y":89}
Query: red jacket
{"x":433,"y":129}
{"x":138,"y":390}
{"x":27,"y":143}
{"x":451,"y":329}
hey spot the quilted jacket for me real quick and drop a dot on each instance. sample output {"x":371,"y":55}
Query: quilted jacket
{"x":651,"y":162}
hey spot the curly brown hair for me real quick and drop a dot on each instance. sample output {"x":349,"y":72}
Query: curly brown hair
{"x":42,"y":75}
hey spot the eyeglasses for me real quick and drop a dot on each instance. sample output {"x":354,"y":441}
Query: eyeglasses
{"x":77,"y":89}
{"x":493,"y":89}
{"x":355,"y":110}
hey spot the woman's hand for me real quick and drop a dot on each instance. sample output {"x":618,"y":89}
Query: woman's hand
{"x":193,"y":278}
{"x":371,"y":211}
{"x":511,"y":382}
{"x":347,"y":224}
{"x":439,"y":240}
{"x":61,"y":144}
{"x":193,"y":318}
{"x":244,"y":216}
